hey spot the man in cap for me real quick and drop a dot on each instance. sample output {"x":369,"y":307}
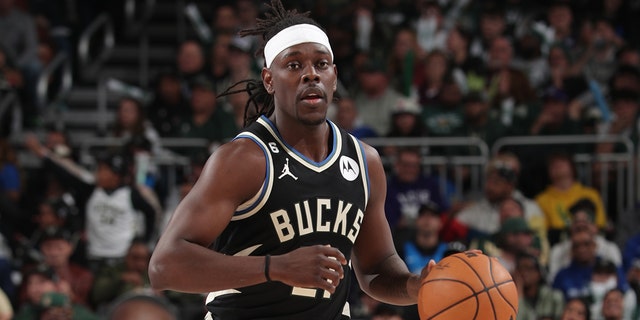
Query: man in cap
{"x":112,"y":205}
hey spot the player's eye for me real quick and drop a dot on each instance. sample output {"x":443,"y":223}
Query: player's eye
{"x":323,"y":64}
{"x":293,"y":66}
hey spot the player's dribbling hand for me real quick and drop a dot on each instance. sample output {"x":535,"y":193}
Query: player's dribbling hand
{"x":309,"y":267}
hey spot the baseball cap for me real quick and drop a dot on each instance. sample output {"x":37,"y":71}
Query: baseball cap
{"x":116,"y":161}
{"x":604,"y":266}
{"x":406,"y":106}
{"x":55,"y":233}
{"x":515,"y":225}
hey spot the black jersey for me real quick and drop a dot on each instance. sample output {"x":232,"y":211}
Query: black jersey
{"x":301,"y":203}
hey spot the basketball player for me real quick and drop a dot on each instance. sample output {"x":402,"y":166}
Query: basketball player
{"x":291,"y":205}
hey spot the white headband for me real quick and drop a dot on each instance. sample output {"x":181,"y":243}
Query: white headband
{"x":296,"y":34}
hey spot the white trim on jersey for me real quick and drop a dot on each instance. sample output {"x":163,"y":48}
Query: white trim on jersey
{"x":363,"y":164}
{"x":256,"y":202}
{"x":315,"y":166}
{"x":244,"y":253}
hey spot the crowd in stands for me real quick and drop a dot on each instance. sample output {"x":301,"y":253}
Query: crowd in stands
{"x":76,"y":235}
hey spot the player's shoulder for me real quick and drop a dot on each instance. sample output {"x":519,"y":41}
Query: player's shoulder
{"x":239,"y":151}
{"x":370,"y":152}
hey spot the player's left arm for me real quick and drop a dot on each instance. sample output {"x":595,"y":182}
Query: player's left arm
{"x":381,"y":272}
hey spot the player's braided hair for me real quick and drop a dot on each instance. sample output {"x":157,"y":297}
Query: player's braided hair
{"x":277,"y":18}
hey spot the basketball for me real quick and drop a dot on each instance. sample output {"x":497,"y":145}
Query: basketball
{"x":468,"y":285}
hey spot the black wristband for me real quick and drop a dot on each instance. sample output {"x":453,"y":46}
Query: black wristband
{"x":267,"y":259}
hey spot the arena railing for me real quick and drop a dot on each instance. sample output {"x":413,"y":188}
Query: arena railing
{"x":618,"y":165}
{"x":464,"y":171}
{"x":48,"y":103}
{"x":89,"y":65}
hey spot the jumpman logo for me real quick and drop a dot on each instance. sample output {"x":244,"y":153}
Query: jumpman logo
{"x":287,"y":172}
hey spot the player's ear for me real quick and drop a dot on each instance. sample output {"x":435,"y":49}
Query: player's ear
{"x":335,"y":81}
{"x":267,"y":80}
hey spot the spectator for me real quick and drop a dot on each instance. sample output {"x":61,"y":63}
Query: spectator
{"x":435,"y":72}
{"x":169,"y":104}
{"x":225,"y":20}
{"x":509,"y":90}
{"x":405,"y":58}
{"x":141,"y":306}
{"x":444,"y":116}
{"x":492,"y":26}
{"x":239,"y":63}
{"x":555,"y":118}
{"x":405,"y":123}
{"x":537,"y":300}
{"x":219,"y":59}
{"x":467,"y":70}
{"x":408,"y":189}
{"x":613,"y":306}
{"x":529,"y":57}
{"x":125,"y":277}
{"x":599,"y":44}
{"x":574,"y":279}
{"x":560,"y":19}
{"x":207,"y":120}
{"x":131,"y":122}
{"x":562,"y":74}
{"x":57,"y":246}
{"x":425,"y":243}
{"x":347,"y":117}
{"x":582,"y":215}
{"x":563,"y":191}
{"x":603,"y":280}
{"x":625,"y":122}
{"x":375,"y":98}
{"x":576,"y":309}
{"x":41,"y":290}
{"x":633,"y":277}
{"x":112,"y":206}
{"x":479,"y":122}
{"x":628,"y":56}
{"x":191,"y":65}
{"x":514,"y":238}
{"x":483,"y":217}
{"x":432,"y":29}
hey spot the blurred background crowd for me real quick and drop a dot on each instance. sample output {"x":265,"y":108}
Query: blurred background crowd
{"x":436,"y":85}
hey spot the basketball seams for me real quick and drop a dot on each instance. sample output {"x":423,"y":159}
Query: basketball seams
{"x":497,"y":286}
{"x":493,"y":306}
{"x":473,"y":295}
{"x":472,"y":269}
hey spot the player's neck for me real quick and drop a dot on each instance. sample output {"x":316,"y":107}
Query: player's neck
{"x":313,"y":141}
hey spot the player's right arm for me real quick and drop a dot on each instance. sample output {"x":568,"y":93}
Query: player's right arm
{"x":183,"y":261}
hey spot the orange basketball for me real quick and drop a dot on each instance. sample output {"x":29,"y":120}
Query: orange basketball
{"x":469,"y":286}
